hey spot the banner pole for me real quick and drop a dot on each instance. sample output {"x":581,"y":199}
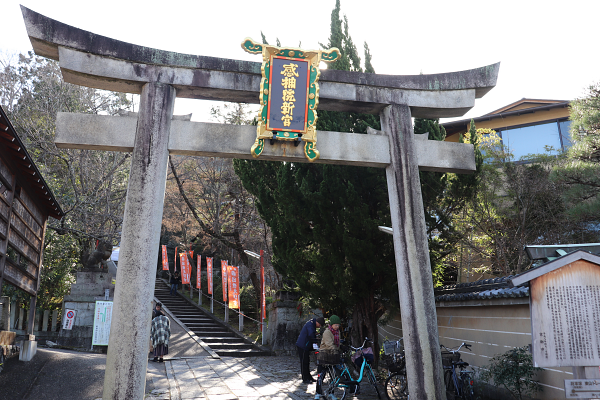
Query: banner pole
{"x":212,"y":310}
{"x":241,"y":322}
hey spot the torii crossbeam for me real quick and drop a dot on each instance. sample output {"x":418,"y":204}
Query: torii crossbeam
{"x":160,"y":76}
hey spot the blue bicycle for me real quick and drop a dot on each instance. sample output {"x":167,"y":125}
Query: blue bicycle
{"x":335,"y":380}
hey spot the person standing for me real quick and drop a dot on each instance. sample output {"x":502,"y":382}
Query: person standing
{"x":304,"y":344}
{"x":160,"y":332}
{"x":174,"y":281}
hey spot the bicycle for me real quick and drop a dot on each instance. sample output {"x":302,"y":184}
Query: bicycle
{"x":458,"y":386}
{"x":396,"y":384}
{"x":335,"y":380}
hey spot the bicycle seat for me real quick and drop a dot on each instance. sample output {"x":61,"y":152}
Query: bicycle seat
{"x":461,"y":364}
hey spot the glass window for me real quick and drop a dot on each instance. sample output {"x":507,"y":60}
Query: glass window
{"x":532,"y":140}
{"x":565,"y":132}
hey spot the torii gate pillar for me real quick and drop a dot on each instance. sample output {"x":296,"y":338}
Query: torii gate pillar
{"x":127,"y":358}
{"x":413,"y":267}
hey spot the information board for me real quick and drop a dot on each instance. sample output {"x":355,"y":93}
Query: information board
{"x":102,"y":319}
{"x":565,"y":311}
{"x":582,"y":388}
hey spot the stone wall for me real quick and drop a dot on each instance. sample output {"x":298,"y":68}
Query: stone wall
{"x":285,"y":323}
{"x":89,"y":287}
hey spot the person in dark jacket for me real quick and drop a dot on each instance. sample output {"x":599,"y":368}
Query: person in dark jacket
{"x":174,"y":283}
{"x":308,"y":336}
{"x":157,"y":311}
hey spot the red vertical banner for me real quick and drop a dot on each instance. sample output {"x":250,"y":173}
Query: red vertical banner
{"x":185,"y":269}
{"x":165,"y":259}
{"x":209,"y":274}
{"x":229,"y":287}
{"x":175,"y":262}
{"x":224,"y":279}
{"x":263,"y":296}
{"x":191,"y":254}
{"x":199,"y":273}
{"x":234,"y":286}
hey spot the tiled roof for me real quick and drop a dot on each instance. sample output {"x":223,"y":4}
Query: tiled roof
{"x":485,"y":289}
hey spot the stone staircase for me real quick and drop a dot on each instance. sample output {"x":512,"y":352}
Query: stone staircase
{"x":217,"y":335}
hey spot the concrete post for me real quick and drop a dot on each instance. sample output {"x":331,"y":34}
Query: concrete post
{"x":13,"y":314}
{"x":241,"y":322}
{"x":226,"y":319}
{"x":21,"y":317}
{"x":54,"y":320}
{"x":417,"y":304}
{"x":127,"y":357}
{"x":264,"y":332}
{"x":45,"y":320}
{"x":212,"y":309}
{"x":199,"y":297}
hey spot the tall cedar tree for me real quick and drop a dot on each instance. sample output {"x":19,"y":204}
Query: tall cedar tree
{"x":444,"y":195}
{"x":324,"y":218}
{"x":581,"y":169}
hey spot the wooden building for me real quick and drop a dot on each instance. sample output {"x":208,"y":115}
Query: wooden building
{"x":26,"y":203}
{"x":525,"y":126}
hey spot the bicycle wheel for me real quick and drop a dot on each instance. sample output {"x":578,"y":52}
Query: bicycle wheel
{"x":467,"y":388}
{"x":331,"y":383}
{"x":373,"y":381}
{"x":396,"y":387}
{"x":449,"y":384}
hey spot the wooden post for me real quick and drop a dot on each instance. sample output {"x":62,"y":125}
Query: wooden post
{"x":417,"y":303}
{"x":31,"y":317}
{"x":127,"y":358}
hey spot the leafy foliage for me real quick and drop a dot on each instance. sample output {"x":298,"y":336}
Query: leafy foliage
{"x":514,"y":371}
{"x":444,"y":196}
{"x":90,"y":186}
{"x":581,"y":170}
{"x":515,"y":204}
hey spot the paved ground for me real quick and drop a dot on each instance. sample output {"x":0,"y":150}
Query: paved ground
{"x":189,"y":372}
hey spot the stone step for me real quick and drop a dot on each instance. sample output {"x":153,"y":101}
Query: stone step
{"x":223,"y":341}
{"x":230,"y":346}
{"x":242,"y":353}
{"x":208,"y":339}
{"x":214,"y":335}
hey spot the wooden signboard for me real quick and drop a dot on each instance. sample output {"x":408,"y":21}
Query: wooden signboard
{"x":565,"y":311}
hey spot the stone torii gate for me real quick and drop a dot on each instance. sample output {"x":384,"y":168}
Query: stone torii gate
{"x":159,"y":76}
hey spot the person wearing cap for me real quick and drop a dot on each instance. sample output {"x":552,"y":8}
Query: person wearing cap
{"x":331,"y":336}
{"x":330,"y":342}
{"x":308,"y":336}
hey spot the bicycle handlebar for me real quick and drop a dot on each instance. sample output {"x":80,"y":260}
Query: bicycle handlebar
{"x":465,"y":345}
{"x":361,"y":347}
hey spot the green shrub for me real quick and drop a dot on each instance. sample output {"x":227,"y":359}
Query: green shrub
{"x":513,"y":371}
